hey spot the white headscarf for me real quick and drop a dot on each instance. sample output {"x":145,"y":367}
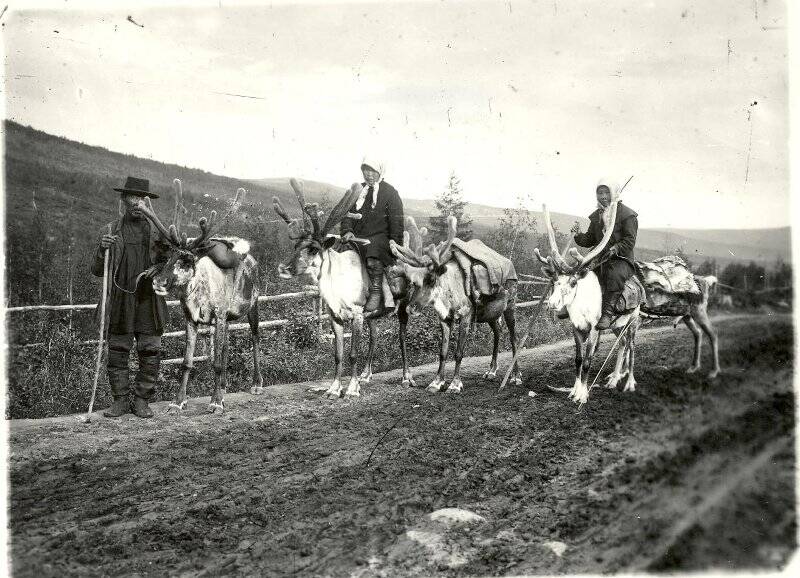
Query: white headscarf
{"x":605,"y":212}
{"x":376,"y":165}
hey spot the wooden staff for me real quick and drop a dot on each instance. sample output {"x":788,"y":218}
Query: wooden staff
{"x":100,"y":341}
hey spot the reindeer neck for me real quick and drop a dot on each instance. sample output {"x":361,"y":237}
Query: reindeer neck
{"x":451,"y":296}
{"x":341,"y":283}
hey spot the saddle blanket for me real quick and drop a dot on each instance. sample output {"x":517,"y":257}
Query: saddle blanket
{"x":669,"y":275}
{"x":633,"y":295}
{"x":486,"y":272}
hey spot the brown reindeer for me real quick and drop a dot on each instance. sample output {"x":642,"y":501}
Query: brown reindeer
{"x":576,"y":291}
{"x":343,"y":283}
{"x":439,"y":280}
{"x":209,"y":294}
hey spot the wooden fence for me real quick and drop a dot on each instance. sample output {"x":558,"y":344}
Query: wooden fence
{"x":307,"y":292}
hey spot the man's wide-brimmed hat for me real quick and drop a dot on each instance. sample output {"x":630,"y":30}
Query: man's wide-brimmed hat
{"x":138,"y":187}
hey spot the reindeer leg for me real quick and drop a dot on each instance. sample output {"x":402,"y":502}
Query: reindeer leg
{"x":622,"y":356}
{"x":219,"y":367}
{"x":335,"y":389}
{"x":258,"y":381}
{"x":463,"y":333}
{"x":582,"y":390}
{"x":698,"y":343}
{"x":402,"y":316}
{"x":353,"y":388}
{"x":705,"y":324}
{"x":580,"y":338}
{"x":188,"y":362}
{"x":630,"y":383}
{"x":366,"y":375}
{"x":492,"y":373}
{"x":438,"y":383}
{"x":511,"y":323}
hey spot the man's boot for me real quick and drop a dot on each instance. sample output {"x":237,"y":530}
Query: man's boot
{"x":149,"y":350}
{"x":119,"y":407}
{"x":374,"y":304}
{"x":141,"y":408}
{"x":609,"y":310}
{"x":118,"y":377}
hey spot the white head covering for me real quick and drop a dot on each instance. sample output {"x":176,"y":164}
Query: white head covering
{"x":612,"y":185}
{"x":605,"y":212}
{"x":373,"y":163}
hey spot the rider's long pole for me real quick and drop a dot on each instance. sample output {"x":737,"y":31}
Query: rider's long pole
{"x":100,"y":340}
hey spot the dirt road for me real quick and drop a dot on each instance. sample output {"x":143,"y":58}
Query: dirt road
{"x":682,"y":474}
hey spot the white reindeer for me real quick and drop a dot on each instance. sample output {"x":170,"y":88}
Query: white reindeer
{"x":343,"y":284}
{"x":576,"y":290}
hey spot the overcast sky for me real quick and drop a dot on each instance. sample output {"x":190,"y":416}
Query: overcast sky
{"x":539,"y":97}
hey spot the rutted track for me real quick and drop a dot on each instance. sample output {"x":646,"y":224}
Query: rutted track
{"x":683,"y":473}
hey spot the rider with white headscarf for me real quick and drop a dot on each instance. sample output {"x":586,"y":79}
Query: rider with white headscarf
{"x":614,"y":272}
{"x":382,"y":220}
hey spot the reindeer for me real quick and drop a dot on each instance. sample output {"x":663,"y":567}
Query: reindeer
{"x":692,"y":309}
{"x":209,"y":295}
{"x":343,"y":283}
{"x":438,"y":280}
{"x":575,"y":289}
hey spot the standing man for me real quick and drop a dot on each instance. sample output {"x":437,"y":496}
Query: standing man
{"x":381,"y":221}
{"x":614,"y":272}
{"x":135,"y":312}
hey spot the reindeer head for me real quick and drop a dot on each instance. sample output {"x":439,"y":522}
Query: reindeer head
{"x":311,"y":239}
{"x":399,"y":274}
{"x":563,"y":276}
{"x":183,"y":252}
{"x":424,"y":268}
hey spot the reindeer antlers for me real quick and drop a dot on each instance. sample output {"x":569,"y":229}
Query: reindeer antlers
{"x":295,"y":226}
{"x":342,"y":208}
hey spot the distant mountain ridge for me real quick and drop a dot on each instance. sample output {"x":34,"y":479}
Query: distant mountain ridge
{"x":66,"y":171}
{"x":725,"y":245}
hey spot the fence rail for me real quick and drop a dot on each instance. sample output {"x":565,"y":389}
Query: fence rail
{"x":308,"y":291}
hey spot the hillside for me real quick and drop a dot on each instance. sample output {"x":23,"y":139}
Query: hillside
{"x":73,"y":184}
{"x":724,"y":245}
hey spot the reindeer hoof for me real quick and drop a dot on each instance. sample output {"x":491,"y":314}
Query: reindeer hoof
{"x":692,"y":369}
{"x":257,"y":389}
{"x":178,"y":407}
{"x":517,"y":380}
{"x":365,"y":378}
{"x":409,"y":382}
{"x":713,"y":374}
{"x":213,"y":407}
{"x":435,"y":386}
{"x":630,"y":385}
{"x":491,"y":374}
{"x":455,"y":387}
{"x":318,"y":388}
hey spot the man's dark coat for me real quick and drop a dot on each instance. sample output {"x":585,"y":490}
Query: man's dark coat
{"x":157,"y":250}
{"x":380,"y":224}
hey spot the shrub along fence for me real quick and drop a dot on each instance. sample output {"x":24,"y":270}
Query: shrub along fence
{"x":51,"y":375}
